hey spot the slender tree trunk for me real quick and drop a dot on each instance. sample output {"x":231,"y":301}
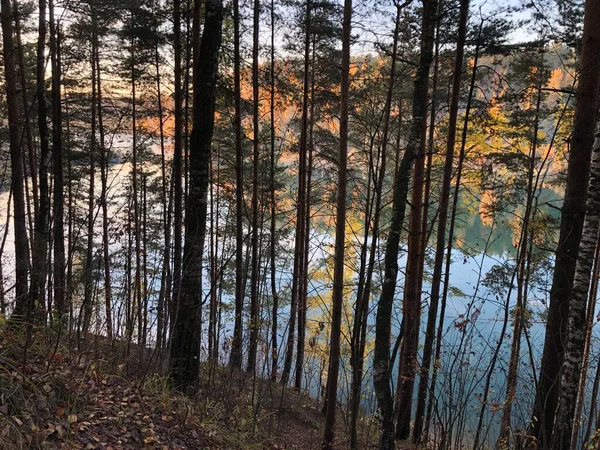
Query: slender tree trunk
{"x":593,"y":415}
{"x":57,"y":160}
{"x":40,"y":271}
{"x":591,"y":317}
{"x":381,"y":361}
{"x":274,"y":293}
{"x":442,"y":221}
{"x":137,"y":283}
{"x":89,"y":258}
{"x":31,"y":157}
{"x":23,"y":307}
{"x":185,"y":348}
{"x":300,"y":202}
{"x":303,"y":273}
{"x":254,"y":277}
{"x":577,"y":313}
{"x":236,"y":346}
{"x":340,"y":238}
{"x":450,"y":239}
{"x":572,"y":217}
{"x":177,"y":164}
{"x":513,"y":366}
{"x":213,"y":349}
{"x":104,"y":157}
{"x":362,"y":308}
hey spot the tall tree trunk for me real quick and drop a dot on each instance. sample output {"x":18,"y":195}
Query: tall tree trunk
{"x":23,"y":306}
{"x":300,"y":202}
{"x":177,"y":164}
{"x":57,"y":160}
{"x":590,"y":319}
{"x":381,"y":361}
{"x":104,"y":156}
{"x":274,"y":293}
{"x":39,"y":270}
{"x":166,"y":197}
{"x":442,"y":221}
{"x":89,"y":258}
{"x":254,"y":276}
{"x":31,"y":157}
{"x":303,"y":273}
{"x":577,"y":313}
{"x":236,"y":345}
{"x":513,"y":366}
{"x":185,"y":348}
{"x":450,"y":239}
{"x":340,"y":238}
{"x":137,"y":283}
{"x":572,"y":217}
{"x":362,"y":307}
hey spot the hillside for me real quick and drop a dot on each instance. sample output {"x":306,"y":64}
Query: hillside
{"x":98,"y":398}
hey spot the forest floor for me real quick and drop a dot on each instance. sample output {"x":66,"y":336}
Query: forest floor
{"x":96,"y":397}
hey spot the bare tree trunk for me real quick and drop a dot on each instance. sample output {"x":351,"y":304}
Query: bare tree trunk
{"x":23,"y":306}
{"x":300,"y":203}
{"x":185,"y":348}
{"x":254,"y":277}
{"x":59,"y":238}
{"x":274,"y":293}
{"x":572,"y":217}
{"x":303,"y":273}
{"x":513,"y":366}
{"x":165,"y":280}
{"x":27,"y":128}
{"x":104,"y":156}
{"x":450,"y":239}
{"x":362,"y":307}
{"x":591,"y":317}
{"x":89,"y":259}
{"x":577,"y":313}
{"x":416,"y":142}
{"x":236,"y":346}
{"x":177,"y":164}
{"x":442,"y":221}
{"x":40,"y":271}
{"x":340,"y":238}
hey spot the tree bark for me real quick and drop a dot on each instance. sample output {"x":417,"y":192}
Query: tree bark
{"x":177,"y":164}
{"x":23,"y":306}
{"x":574,"y":346}
{"x":340,"y":238}
{"x":104,"y":156}
{"x":572,"y":217}
{"x":300,"y":203}
{"x":274,"y":293}
{"x":444,"y":200}
{"x":381,"y":359}
{"x":236,"y":345}
{"x":185,"y":348}
{"x":254,"y":276}
{"x":39,"y":269}
{"x":89,"y":254}
{"x":57,"y":160}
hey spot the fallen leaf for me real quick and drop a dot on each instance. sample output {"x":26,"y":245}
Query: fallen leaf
{"x":72,"y":418}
